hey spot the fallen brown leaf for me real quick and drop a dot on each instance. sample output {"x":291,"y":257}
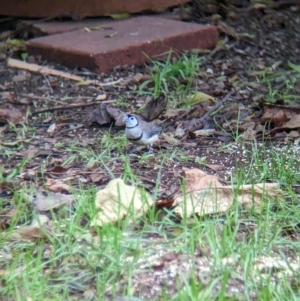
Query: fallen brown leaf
{"x":45,"y":201}
{"x":30,"y":233}
{"x":28,"y":153}
{"x":154,"y":108}
{"x":117,"y":115}
{"x":57,"y":186}
{"x":14,"y":116}
{"x":96,"y":177}
{"x":278,"y":115}
{"x":58,"y":169}
{"x":136,"y":79}
{"x":204,"y":194}
{"x":293,"y":123}
{"x":103,"y":114}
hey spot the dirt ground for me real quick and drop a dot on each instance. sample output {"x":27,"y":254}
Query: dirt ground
{"x":268,"y":38}
{"x":253,"y":40}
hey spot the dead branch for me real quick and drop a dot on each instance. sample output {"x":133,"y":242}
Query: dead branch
{"x":80,"y":105}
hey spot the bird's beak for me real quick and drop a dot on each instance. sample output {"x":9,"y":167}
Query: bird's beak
{"x":125,"y":118}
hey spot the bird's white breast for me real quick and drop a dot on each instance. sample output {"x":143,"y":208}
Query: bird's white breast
{"x":133,"y":133}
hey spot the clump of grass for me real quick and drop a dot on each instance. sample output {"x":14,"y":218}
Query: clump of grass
{"x":222,"y":251}
{"x":174,"y":76}
{"x":280,"y":84}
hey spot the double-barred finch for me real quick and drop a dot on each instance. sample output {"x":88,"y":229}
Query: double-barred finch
{"x":141,"y":132}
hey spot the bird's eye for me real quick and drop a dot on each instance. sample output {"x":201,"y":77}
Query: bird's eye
{"x":132,"y":118}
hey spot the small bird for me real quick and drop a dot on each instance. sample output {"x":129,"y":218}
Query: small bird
{"x":141,"y":132}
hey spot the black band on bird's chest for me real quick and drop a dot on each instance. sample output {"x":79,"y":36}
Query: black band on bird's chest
{"x":136,"y":139}
{"x":132,"y":127}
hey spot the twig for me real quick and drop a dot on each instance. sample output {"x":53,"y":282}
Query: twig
{"x":183,"y":115}
{"x":50,"y":71}
{"x":47,"y":81}
{"x":42,"y":98}
{"x":216,"y":106}
{"x":150,"y":181}
{"x":80,"y":105}
{"x":72,"y":129}
{"x":207,"y":114}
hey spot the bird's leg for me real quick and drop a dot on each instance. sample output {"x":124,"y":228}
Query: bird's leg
{"x":132,"y":150}
{"x":150,"y":150}
{"x":136,"y":148}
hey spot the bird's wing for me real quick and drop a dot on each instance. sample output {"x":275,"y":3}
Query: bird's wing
{"x":155,"y":130}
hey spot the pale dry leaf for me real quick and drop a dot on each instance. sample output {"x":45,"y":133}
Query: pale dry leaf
{"x":200,"y":97}
{"x":39,"y":219}
{"x":47,"y":120}
{"x":101,"y":97}
{"x":294,"y":134}
{"x":117,"y":199}
{"x":293,"y":123}
{"x":30,"y":233}
{"x":249,"y":135}
{"x":180,"y":132}
{"x":45,"y":201}
{"x":96,"y":177}
{"x":52,"y":128}
{"x":170,"y":139}
{"x":134,"y":79}
{"x":204,"y":132}
{"x":215,"y":167}
{"x":28,"y":153}
{"x":248,"y":125}
{"x":228,"y":30}
{"x":110,"y":35}
{"x":7,"y":96}
{"x":57,"y":185}
{"x":204,"y":194}
{"x":19,"y":77}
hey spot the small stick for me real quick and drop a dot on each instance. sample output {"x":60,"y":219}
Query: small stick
{"x":80,"y":105}
{"x":72,"y":129}
{"x":216,"y":106}
{"x":42,"y":98}
{"x":183,"y":115}
{"x":13,"y":63}
{"x":207,"y":114}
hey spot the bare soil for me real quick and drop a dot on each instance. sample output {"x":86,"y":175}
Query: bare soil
{"x":272,"y":38}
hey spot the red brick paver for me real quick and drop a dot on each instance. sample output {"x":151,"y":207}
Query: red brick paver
{"x":79,"y":9}
{"x":55,"y":27}
{"x":123,"y":43}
